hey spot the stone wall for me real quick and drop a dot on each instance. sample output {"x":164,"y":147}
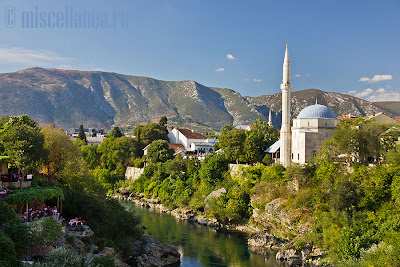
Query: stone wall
{"x":132,"y":173}
{"x":16,"y":184}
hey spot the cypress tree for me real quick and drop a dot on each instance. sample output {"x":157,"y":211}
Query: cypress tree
{"x":81,"y":133}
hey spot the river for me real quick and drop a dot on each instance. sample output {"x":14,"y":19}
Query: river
{"x":201,"y":245}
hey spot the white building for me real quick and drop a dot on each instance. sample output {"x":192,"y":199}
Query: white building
{"x":192,"y":142}
{"x":243,"y":127}
{"x":313,"y":126}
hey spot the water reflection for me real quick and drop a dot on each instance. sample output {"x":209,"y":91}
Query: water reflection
{"x":201,"y":245}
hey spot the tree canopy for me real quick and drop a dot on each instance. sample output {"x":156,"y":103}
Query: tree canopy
{"x":150,"y":132}
{"x":22,"y":142}
{"x":116,"y":133}
{"x":159,"y":151}
{"x":81,"y":134}
{"x":364,"y":139}
{"x":247,"y":146}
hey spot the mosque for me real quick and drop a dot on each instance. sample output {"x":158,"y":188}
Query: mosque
{"x":311,"y":128}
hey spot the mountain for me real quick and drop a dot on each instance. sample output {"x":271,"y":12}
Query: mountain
{"x":69,"y":98}
{"x":393,"y":106}
{"x":339,"y":103}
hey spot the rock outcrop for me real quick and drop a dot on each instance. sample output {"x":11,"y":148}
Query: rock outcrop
{"x":150,"y":252}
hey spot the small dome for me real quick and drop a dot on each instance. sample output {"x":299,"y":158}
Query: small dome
{"x":316,"y":112}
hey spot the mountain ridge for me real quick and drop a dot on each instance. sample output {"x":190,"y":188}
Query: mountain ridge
{"x":68,"y":98}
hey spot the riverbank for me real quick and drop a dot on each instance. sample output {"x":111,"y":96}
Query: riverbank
{"x":258,"y":240}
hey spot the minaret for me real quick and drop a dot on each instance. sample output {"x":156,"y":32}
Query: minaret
{"x":270,"y":118}
{"x":286,"y":135}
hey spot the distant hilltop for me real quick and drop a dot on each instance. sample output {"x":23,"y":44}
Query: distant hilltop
{"x":68,"y":98}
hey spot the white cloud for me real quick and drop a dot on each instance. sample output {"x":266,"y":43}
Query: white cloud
{"x":364,"y":93}
{"x":220,"y":69}
{"x":25,"y":56}
{"x":229,"y":56}
{"x":297,"y":75}
{"x":376,"y":78}
{"x":377,"y":95}
{"x":65,"y":66}
{"x":257,"y":80}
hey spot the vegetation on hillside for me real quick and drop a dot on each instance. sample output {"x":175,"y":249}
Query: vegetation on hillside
{"x":55,"y":160}
{"x":352,"y":207}
{"x":347,"y":206}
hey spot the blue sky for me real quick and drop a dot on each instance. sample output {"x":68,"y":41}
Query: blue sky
{"x":341,"y":46}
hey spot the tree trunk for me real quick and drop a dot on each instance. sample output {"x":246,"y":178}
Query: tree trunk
{"x":20,"y":178}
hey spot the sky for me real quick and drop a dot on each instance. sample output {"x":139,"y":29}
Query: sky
{"x":337,"y":46}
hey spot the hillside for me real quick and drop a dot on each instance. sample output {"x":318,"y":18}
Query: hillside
{"x":68,"y":98}
{"x":393,"y":106}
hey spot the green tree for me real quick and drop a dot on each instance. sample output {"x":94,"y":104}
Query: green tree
{"x":213,"y":168}
{"x":150,"y":132}
{"x":61,"y":152}
{"x":14,"y":236}
{"x":163,"y":121}
{"x":269,"y":133}
{"x":46,"y":232}
{"x":81,"y":134}
{"x":8,"y":255}
{"x":159,"y":151}
{"x":22,"y":143}
{"x":231,"y":141}
{"x":363,"y":139}
{"x":115,"y":153}
{"x":254,"y":146}
{"x":116,"y":133}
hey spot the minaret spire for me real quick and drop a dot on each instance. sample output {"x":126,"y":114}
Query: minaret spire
{"x":270,"y":118}
{"x":286,"y":133}
{"x":286,"y":67}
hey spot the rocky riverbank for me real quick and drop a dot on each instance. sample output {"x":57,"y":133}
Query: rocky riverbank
{"x":145,"y":253}
{"x":258,"y":241}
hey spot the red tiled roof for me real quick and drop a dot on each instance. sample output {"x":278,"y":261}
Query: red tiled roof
{"x":175,"y":146}
{"x":189,"y":134}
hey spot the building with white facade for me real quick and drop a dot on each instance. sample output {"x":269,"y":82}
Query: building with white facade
{"x":192,"y":142}
{"x":313,"y":125}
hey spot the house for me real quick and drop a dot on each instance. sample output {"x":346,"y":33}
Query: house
{"x":95,"y":140}
{"x":10,"y":177}
{"x":192,"y":142}
{"x":382,"y":117}
{"x":244,"y":127}
{"x":274,"y":150}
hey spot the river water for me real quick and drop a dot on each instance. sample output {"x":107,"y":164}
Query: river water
{"x":201,"y":245}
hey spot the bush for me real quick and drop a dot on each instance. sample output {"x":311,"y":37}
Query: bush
{"x":105,"y":261}
{"x":63,"y":257}
{"x":106,"y":217}
{"x":8,"y":255}
{"x":45,"y":232}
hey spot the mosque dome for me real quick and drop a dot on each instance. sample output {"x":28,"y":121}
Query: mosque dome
{"x":316,"y":112}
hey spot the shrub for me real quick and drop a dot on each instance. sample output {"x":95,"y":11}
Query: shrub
{"x":45,"y":232}
{"x":8,"y":255}
{"x":63,"y":257}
